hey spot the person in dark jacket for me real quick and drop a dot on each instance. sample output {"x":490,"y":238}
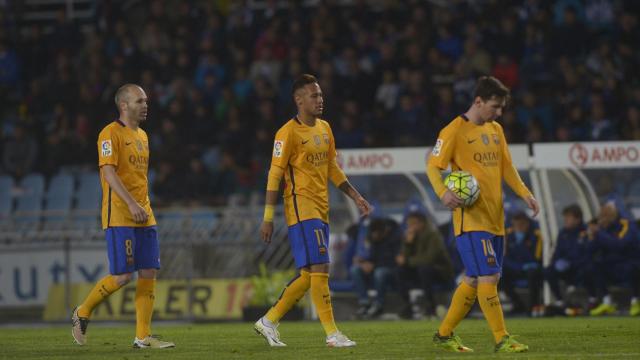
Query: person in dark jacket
{"x":570,"y":262}
{"x":375,"y":264}
{"x":615,"y":245}
{"x":423,"y":262}
{"x":522,"y":261}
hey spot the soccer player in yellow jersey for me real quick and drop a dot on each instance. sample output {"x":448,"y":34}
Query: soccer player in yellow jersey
{"x":475,"y":142}
{"x":127,"y":218}
{"x":304,"y":153}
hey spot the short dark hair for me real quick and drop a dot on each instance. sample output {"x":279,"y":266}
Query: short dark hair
{"x":574,"y":210}
{"x":488,"y":87}
{"x":302,"y":81}
{"x":417,"y":215}
{"x":520,"y":216}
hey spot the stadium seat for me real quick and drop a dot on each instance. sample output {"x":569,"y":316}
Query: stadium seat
{"x":203,"y":220}
{"x":6,"y":200}
{"x":89,"y":191}
{"x":6,"y":185}
{"x":58,"y":198}
{"x":151,"y":178}
{"x":171,"y":224}
{"x":29,"y":202}
{"x":88,"y":197}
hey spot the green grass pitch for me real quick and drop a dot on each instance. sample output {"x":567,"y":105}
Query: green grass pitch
{"x":557,"y":338}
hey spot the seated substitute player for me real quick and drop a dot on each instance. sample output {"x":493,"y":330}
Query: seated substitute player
{"x":570,"y":261}
{"x":522,"y":261}
{"x":304,"y":152}
{"x":475,"y":142}
{"x":615,"y":241}
{"x":423,"y":262}
{"x":374,"y":264}
{"x":127,"y":218}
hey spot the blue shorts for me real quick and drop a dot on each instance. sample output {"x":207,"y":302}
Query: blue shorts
{"x":481,"y":252}
{"x":132,"y":248}
{"x":309,"y":241}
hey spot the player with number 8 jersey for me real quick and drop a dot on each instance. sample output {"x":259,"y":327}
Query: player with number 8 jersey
{"x":127,"y":218}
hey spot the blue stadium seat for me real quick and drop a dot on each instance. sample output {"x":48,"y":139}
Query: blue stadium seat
{"x":89,"y":192}
{"x":29,"y":202}
{"x":6,"y":185}
{"x":171,"y":223}
{"x":204,"y":220}
{"x":58,"y":201}
{"x":151,"y":178}
{"x":6,"y":199}
{"x":88,"y":198}
{"x":33,"y":183}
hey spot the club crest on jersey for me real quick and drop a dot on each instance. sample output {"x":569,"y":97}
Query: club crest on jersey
{"x":496,"y":139}
{"x":437,"y":148}
{"x":106,"y":149}
{"x":326,"y":138}
{"x":139,"y":145}
{"x":485,"y":139}
{"x":316,"y":139}
{"x":491,"y":261}
{"x":277,"y":148}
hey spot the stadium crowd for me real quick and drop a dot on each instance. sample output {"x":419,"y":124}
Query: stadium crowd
{"x":219,"y":79}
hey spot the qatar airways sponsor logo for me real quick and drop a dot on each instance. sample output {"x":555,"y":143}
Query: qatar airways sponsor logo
{"x":587,"y":155}
{"x":318,"y":159}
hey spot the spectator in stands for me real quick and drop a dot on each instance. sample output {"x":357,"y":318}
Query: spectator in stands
{"x":196,"y":185}
{"x":19,"y":152}
{"x":522,"y":261}
{"x":375,"y":264}
{"x":570,"y":262}
{"x":166,"y":187}
{"x":351,"y":135}
{"x":631,"y":123}
{"x":9,"y":67}
{"x":423,"y":263}
{"x":615,"y":240}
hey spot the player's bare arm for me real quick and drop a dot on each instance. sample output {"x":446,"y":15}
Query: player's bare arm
{"x":138,"y":213}
{"x":266,"y":229}
{"x":512,"y":178}
{"x":361,"y":203}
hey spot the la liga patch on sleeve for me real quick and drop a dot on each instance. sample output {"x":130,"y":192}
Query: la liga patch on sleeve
{"x":278,"y":145}
{"x":105,"y":146}
{"x":437,"y":148}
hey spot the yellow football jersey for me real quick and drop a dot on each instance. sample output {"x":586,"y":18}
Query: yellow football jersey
{"x":128,"y":151}
{"x":307,"y":154}
{"x":481,"y":150}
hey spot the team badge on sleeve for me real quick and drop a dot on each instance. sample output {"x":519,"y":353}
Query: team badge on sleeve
{"x":106,"y":148}
{"x":437,"y":148}
{"x":277,"y":148}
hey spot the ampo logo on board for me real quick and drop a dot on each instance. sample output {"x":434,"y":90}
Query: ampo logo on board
{"x":583,"y":155}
